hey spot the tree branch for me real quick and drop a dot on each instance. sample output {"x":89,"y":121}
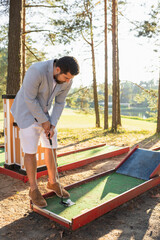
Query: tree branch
{"x":31,"y":52}
{"x":99,"y":43}
{"x":36,"y":31}
{"x":128,"y":19}
{"x":145,"y":90}
{"x":80,"y":89}
{"x":85,"y":39}
{"x":45,"y":6}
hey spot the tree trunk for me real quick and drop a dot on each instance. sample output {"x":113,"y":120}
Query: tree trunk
{"x":158,"y":116}
{"x":23,"y":40}
{"x":114,"y":67}
{"x":118,"y":87}
{"x":94,"y":79}
{"x":14,"y":47}
{"x":106,"y":70}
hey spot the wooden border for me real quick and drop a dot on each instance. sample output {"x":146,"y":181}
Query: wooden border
{"x":92,"y":159}
{"x":156,"y":172}
{"x":155,"y":149}
{"x":65,"y":167}
{"x":80,"y":150}
{"x":101,"y":209}
{"x":13,"y":174}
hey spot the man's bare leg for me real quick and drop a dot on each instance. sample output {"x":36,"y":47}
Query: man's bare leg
{"x":30,"y":164}
{"x":50,"y":164}
{"x":52,"y":183}
{"x":31,"y":168}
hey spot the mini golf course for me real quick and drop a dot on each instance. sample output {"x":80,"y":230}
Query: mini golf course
{"x":63,"y":160}
{"x":82,"y":158}
{"x":91,"y":194}
{"x":2,"y":157}
{"x":99,"y":194}
{"x":67,"y":161}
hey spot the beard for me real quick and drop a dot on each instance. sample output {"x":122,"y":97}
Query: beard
{"x":56,"y":79}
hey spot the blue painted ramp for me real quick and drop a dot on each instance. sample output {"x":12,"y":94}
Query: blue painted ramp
{"x":140,"y":164}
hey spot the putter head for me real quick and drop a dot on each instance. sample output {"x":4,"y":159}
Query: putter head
{"x":66,"y":203}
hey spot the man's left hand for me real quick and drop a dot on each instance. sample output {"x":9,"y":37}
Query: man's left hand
{"x":51,"y":132}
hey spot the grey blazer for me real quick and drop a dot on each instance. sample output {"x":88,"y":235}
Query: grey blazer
{"x":34,"y":100}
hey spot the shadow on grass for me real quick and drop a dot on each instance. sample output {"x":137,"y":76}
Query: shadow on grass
{"x":149,"y":142}
{"x":146,"y":143}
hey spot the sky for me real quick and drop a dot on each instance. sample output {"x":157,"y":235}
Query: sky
{"x":137,"y":59}
{"x":138,"y":62}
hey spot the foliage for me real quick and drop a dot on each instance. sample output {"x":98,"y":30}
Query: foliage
{"x":3,"y":73}
{"x":3,"y":57}
{"x":4,"y":36}
{"x":4,"y":2}
{"x":48,"y":35}
{"x":141,"y":96}
{"x":150,"y":27}
{"x":80,"y":99}
{"x":75,"y":21}
{"x":147,"y":97}
{"x":32,"y":53}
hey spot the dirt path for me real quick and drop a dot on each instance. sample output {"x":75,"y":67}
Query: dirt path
{"x":136,"y":220}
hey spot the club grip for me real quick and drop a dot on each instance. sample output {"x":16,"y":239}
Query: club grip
{"x":50,"y":140}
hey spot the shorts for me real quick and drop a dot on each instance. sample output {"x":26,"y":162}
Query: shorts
{"x":32,"y":136}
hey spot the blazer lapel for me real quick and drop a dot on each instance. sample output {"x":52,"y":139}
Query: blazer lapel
{"x":50,"y":76}
{"x":54,"y":91}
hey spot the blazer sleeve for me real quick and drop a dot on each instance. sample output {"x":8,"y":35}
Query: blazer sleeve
{"x":59,"y":105}
{"x":31,"y":85}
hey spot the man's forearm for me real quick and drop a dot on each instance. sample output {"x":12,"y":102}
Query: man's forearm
{"x":56,"y":113}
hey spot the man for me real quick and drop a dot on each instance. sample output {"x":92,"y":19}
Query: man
{"x":37,"y":117}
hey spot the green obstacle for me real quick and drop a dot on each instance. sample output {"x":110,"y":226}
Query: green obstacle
{"x":92,"y":194}
{"x":2,"y":157}
{"x":71,"y":158}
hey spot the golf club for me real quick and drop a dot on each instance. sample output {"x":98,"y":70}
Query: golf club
{"x":68,"y":202}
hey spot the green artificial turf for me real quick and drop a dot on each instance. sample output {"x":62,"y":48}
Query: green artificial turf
{"x":92,"y":194}
{"x":73,"y":157}
{"x":2,"y":157}
{"x":85,"y":154}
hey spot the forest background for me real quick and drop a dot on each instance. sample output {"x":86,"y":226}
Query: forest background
{"x":138,"y":43}
{"x":57,"y":28}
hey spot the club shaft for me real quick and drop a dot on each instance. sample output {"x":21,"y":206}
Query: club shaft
{"x":55,"y":163}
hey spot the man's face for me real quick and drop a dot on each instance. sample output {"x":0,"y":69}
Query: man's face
{"x":62,"y":77}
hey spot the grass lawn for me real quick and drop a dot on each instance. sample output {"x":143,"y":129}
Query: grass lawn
{"x":74,"y":127}
{"x":72,"y":119}
{"x":1,"y":119}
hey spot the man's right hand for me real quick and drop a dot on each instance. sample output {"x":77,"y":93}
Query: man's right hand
{"x":46,"y":126}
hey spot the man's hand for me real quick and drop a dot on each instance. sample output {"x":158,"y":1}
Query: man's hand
{"x":51,"y":132}
{"x":48,"y":129}
{"x":46,"y":126}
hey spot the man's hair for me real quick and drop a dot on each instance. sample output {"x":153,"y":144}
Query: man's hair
{"x":68,"y":64}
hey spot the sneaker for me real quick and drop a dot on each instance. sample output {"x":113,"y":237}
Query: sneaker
{"x":55,"y":187}
{"x":37,"y":198}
